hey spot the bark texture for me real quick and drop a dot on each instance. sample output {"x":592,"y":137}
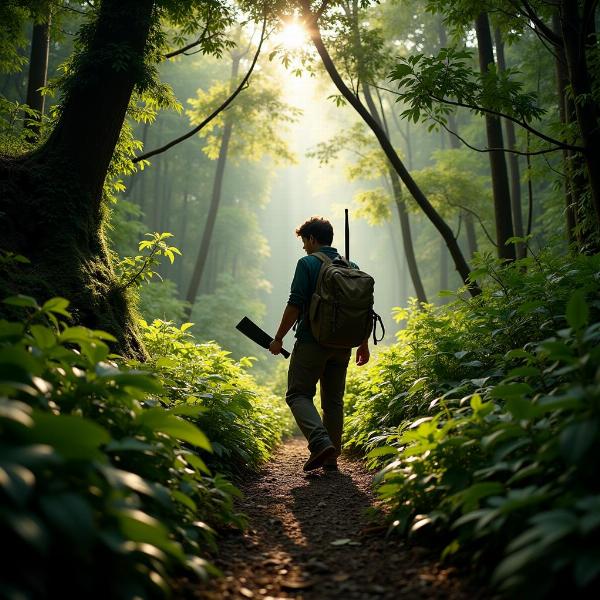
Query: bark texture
{"x":513,"y":159}
{"x":493,"y":128}
{"x":51,"y":206}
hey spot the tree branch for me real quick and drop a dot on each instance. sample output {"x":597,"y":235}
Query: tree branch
{"x":489,"y":237}
{"x":508,"y":150}
{"x":540,"y":25}
{"x":184,"y":49}
{"x":220,"y":109}
{"x":322,"y":9}
{"x":521,"y":123}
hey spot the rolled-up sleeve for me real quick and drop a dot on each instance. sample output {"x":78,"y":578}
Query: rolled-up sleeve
{"x":300,"y":288}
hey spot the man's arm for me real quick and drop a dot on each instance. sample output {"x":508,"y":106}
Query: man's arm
{"x":290,"y":316}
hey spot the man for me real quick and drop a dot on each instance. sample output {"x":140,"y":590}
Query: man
{"x":311,"y":362}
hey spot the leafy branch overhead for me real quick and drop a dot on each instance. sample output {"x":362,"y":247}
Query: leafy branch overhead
{"x":433,"y":86}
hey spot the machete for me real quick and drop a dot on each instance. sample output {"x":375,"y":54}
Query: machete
{"x":256,"y":334}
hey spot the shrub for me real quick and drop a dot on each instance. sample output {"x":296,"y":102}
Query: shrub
{"x":486,"y":419}
{"x":103,"y":492}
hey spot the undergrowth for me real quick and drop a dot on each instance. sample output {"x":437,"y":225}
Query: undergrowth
{"x":484,"y":420}
{"x":109,"y":485}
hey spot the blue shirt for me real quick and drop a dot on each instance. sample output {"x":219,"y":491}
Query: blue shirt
{"x":303,"y":287}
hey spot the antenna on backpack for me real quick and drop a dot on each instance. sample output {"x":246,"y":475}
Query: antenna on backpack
{"x":347,"y":232}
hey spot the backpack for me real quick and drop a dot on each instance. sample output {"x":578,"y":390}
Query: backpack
{"x":341,"y":311}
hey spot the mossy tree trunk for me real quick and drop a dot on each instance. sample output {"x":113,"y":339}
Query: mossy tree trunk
{"x":51,"y":201}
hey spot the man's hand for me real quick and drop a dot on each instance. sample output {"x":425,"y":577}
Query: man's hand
{"x":363,"y":354}
{"x":275,"y":347}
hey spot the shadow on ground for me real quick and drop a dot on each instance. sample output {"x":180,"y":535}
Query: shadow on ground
{"x":310,"y":538}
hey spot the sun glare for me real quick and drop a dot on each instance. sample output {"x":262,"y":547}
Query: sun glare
{"x":293,"y":36}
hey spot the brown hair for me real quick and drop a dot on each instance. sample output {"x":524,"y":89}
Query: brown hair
{"x":319,"y":228}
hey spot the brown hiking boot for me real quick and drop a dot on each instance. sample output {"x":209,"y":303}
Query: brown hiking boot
{"x":317,"y":458}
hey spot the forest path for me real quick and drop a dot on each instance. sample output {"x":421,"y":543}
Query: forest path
{"x":309,"y":539}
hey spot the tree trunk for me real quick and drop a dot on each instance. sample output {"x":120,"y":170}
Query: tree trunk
{"x":38,"y":72}
{"x":500,"y":187}
{"x":467,"y":217}
{"x":443,"y":270}
{"x":51,"y":207}
{"x":513,"y":159}
{"x":407,"y":242}
{"x":570,"y":181}
{"x":214,"y":203}
{"x":459,"y":260}
{"x":575,"y":36}
{"x":409,"y":250}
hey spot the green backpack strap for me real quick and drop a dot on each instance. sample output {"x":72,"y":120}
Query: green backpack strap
{"x":325,"y":260}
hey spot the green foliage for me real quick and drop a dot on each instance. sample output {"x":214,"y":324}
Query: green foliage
{"x":13,"y":16}
{"x":136,"y":270}
{"x":243,"y":420}
{"x":160,"y":300}
{"x":104,"y":483}
{"x":262,"y":116}
{"x":213,"y":314}
{"x":486,"y":418}
{"x":102,"y":487}
{"x":427,"y":83}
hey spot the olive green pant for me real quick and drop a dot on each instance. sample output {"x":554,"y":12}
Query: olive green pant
{"x":310,"y":362}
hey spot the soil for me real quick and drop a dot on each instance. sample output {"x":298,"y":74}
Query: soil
{"x":310,"y":538}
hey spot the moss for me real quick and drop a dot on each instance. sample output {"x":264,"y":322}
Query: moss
{"x":48,"y":220}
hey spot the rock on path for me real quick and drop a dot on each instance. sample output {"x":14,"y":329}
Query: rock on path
{"x":309,"y":539}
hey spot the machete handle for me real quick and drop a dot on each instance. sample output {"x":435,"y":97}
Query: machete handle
{"x":285,"y":353}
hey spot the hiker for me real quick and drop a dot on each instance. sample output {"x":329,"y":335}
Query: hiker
{"x":312,"y":361}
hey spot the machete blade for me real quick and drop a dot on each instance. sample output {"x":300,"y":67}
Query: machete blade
{"x":256,"y":334}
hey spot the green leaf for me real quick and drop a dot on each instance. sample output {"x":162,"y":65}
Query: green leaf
{"x":160,"y":420}
{"x":57,"y":305}
{"x":382,"y":451}
{"x":43,"y":337}
{"x":17,"y":482}
{"x":417,"y":385}
{"x":72,"y":437}
{"x":138,"y":526}
{"x":197,"y":462}
{"x":168,"y":362}
{"x":521,"y":408}
{"x":510,"y":390}
{"x":577,"y":438}
{"x":21,"y":300}
{"x":577,"y":310}
{"x":139,"y":380}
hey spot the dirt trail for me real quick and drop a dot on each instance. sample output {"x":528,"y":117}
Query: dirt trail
{"x":309,"y":539}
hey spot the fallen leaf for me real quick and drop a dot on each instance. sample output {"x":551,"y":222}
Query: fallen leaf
{"x":341,"y":542}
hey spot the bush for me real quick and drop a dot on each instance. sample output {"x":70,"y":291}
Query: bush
{"x":103,"y":492}
{"x":243,"y":420}
{"x":486,"y":419}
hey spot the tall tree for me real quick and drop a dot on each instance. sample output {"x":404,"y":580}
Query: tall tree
{"x":51,"y":201}
{"x":366,"y":75}
{"x":38,"y":66}
{"x":311,"y":18}
{"x":260,"y":115}
{"x":493,"y":126}
{"x":513,"y":159}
